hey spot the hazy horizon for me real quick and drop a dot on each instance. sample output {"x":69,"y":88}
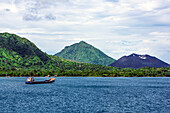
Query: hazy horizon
{"x":116,"y":27}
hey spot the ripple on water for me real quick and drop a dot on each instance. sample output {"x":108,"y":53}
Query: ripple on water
{"x":88,"y":94}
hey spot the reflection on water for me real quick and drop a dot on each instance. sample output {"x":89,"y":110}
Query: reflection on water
{"x":86,"y":94}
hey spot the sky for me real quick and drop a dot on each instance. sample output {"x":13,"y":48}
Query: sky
{"x":116,"y":27}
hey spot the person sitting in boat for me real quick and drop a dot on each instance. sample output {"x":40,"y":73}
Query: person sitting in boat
{"x":30,"y":79}
{"x":47,"y":76}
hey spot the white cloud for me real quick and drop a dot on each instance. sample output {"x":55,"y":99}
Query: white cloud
{"x":117,"y":27}
{"x":160,"y":34}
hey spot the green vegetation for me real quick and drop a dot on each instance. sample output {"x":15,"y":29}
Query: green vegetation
{"x":95,"y":72}
{"x":83,"y":52}
{"x":20,"y":57}
{"x":21,"y":46}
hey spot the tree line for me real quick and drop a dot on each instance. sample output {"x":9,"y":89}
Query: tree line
{"x":114,"y":72}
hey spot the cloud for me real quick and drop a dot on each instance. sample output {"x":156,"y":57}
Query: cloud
{"x":117,"y":27}
{"x":112,"y":0}
{"x":30,"y":17}
{"x":50,"y":17}
{"x":7,"y":10}
{"x":160,"y":34}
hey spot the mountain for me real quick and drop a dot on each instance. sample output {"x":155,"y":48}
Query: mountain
{"x":21,"y":57}
{"x":138,"y":61}
{"x":17,"y":51}
{"x":84,"y":52}
{"x":20,"y":53}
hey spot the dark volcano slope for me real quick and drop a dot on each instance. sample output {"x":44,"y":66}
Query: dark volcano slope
{"x":138,"y":61}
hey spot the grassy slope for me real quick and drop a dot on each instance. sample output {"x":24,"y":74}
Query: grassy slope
{"x":83,"y":52}
{"x":17,"y":52}
{"x":20,"y":57}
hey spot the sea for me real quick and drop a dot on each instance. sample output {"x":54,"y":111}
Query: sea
{"x":86,"y":95}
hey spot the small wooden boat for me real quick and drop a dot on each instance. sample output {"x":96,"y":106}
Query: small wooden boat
{"x":30,"y":80}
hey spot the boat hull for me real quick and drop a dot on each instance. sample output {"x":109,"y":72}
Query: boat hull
{"x":40,"y":82}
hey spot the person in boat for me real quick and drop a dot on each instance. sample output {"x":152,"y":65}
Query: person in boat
{"x":30,"y":79}
{"x":47,"y":76}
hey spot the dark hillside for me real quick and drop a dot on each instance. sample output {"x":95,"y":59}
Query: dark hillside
{"x":138,"y":61}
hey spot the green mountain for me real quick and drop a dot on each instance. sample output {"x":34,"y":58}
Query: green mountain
{"x":84,"y":52}
{"x":20,"y":57}
{"x":20,"y":53}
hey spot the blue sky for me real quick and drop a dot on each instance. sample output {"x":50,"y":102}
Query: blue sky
{"x":116,"y":27}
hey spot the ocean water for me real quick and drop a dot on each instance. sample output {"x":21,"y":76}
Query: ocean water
{"x":86,"y":95}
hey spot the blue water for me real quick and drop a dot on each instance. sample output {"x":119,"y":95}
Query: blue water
{"x":86,"y":95}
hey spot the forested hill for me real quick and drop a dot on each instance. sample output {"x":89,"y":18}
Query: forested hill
{"x":21,"y":46}
{"x":20,"y":53}
{"x":84,"y":52}
{"x":20,"y":57}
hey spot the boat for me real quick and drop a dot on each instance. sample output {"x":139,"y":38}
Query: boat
{"x":30,"y":80}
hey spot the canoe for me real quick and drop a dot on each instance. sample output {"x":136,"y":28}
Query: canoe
{"x":41,"y":82}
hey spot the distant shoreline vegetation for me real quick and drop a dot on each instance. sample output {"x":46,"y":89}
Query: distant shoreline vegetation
{"x":20,"y":57}
{"x":115,"y":72}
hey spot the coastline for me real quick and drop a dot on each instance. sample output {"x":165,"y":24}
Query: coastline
{"x":90,"y":76}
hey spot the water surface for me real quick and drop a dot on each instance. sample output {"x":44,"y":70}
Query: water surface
{"x":86,"y":95}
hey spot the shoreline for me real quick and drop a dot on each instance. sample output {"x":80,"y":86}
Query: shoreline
{"x":90,"y":76}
